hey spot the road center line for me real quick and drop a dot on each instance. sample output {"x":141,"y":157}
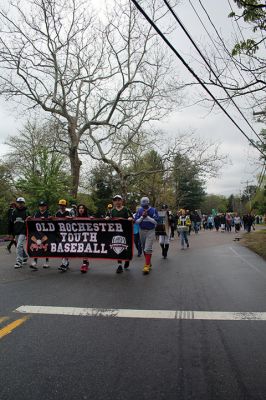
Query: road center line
{"x":148,"y":314}
{"x":10,"y":327}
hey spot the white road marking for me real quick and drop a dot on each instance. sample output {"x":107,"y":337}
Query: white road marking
{"x":148,"y":314}
{"x":247,"y":262}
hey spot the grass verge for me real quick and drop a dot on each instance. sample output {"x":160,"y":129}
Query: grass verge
{"x":256,"y":241}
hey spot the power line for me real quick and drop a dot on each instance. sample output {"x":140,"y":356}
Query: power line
{"x":193,"y":73}
{"x":209,"y":66}
{"x":223,"y":44}
{"x":221,"y":39}
{"x":243,"y":38}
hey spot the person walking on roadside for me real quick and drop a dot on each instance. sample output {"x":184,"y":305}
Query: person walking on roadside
{"x":164,"y":235}
{"x":19,"y":216}
{"x":82,"y":212}
{"x":147,"y":218}
{"x":228,"y":222}
{"x":43,"y":212}
{"x":210,"y":222}
{"x":172,"y":222}
{"x":237,"y":223}
{"x":195,"y":221}
{"x":249,"y":222}
{"x":120,"y":211}
{"x":217,"y":222}
{"x":63,"y":213}
{"x":10,"y":227}
{"x":183,"y":225}
{"x":223,"y":222}
{"x":188,"y":214}
{"x":137,"y":241}
{"x":204,"y":222}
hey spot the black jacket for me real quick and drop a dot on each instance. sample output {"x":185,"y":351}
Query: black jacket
{"x":19,"y":217}
{"x":10,"y":225}
{"x":45,"y":214}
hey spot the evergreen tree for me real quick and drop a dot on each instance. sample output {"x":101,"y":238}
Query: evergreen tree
{"x":104,"y":185}
{"x":187,"y":186}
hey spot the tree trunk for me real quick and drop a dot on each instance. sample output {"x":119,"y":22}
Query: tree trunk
{"x":123,"y":183}
{"x":75,"y":162}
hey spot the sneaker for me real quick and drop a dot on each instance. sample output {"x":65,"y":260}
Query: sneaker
{"x":25,"y":260}
{"x":63,"y":268}
{"x":46,"y":265}
{"x":126,"y":265}
{"x":84,"y":268}
{"x":119,"y":269}
{"x":34,"y":265}
{"x":146,"y":269}
{"x":18,"y":265}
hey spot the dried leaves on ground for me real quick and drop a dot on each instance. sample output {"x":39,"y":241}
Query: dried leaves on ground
{"x":256,"y":241}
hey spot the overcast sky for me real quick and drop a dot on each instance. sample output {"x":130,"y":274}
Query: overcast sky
{"x":215,"y":125}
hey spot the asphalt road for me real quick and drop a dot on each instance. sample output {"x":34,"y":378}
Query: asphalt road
{"x":97,"y":357}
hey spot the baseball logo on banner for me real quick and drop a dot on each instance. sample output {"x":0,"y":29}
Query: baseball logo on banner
{"x":119,"y":244}
{"x":80,"y":238}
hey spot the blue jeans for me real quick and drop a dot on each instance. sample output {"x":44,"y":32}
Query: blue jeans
{"x":183,"y":237}
{"x":196,"y":227}
{"x":21,"y":252}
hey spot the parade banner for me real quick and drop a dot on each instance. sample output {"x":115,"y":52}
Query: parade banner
{"x":80,"y":238}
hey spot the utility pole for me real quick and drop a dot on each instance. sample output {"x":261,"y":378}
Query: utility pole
{"x":248,"y":192}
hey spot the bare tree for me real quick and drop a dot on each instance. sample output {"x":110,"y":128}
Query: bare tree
{"x":105,"y":79}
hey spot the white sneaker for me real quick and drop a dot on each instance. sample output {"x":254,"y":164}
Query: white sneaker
{"x":34,"y":265}
{"x":46,"y":265}
{"x":18,"y":265}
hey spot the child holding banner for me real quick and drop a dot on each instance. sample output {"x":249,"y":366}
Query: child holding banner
{"x":43,"y":212}
{"x":120,"y":211}
{"x":63,"y":213}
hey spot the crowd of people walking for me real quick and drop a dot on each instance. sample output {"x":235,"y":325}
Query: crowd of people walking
{"x":149,"y":223}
